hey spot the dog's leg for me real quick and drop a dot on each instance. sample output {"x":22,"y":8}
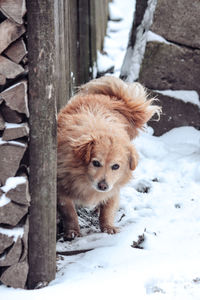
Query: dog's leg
{"x":69,"y":217}
{"x":107,"y":215}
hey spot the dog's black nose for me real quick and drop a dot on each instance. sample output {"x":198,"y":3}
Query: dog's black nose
{"x":102,"y":185}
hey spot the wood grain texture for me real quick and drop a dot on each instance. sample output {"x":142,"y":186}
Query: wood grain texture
{"x":42,"y":104}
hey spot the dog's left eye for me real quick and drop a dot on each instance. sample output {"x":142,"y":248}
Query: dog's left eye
{"x":96,"y":163}
{"x":115,"y":167}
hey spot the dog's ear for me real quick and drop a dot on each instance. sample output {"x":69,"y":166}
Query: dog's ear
{"x":83,"y":148}
{"x":133,"y":158}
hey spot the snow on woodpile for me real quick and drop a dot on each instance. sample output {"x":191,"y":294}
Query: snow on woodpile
{"x":14,"y":132}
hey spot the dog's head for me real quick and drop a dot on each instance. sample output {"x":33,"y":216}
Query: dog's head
{"x":108,"y":161}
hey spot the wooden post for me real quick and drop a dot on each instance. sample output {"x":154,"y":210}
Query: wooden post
{"x":84,"y":44}
{"x":42,"y":104}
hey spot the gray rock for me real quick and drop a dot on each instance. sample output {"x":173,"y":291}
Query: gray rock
{"x":167,"y":66}
{"x":20,"y":194}
{"x":175,"y":113}
{"x":178,"y":21}
{"x":13,"y":256}
{"x":11,"y":213}
{"x":13,"y":133}
{"x":11,"y":155}
{"x":5,"y":242}
{"x":15,"y":275}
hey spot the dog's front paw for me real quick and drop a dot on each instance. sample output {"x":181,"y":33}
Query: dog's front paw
{"x":70,"y":234}
{"x":109,"y":229}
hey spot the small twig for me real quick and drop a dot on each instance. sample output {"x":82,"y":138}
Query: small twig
{"x":122,"y":216}
{"x":139,"y":242}
{"x":73,"y":252}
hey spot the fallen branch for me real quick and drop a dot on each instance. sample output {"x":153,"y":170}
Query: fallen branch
{"x":73,"y":252}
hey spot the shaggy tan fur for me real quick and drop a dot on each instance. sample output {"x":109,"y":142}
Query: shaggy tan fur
{"x":95,"y":153}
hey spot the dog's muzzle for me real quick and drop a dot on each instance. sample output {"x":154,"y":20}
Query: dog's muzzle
{"x":102,"y":185}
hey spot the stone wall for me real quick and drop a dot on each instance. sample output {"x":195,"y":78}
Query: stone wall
{"x":164,"y":54}
{"x":14,"y":132}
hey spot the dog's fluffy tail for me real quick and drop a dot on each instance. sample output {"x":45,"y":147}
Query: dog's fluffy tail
{"x":132,"y":100}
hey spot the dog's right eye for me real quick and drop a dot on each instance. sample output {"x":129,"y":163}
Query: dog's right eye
{"x":96,"y":163}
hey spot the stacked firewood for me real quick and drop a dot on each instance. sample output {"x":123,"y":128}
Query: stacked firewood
{"x":14,"y":132}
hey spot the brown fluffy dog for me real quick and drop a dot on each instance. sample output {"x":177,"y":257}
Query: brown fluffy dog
{"x":95,"y":153}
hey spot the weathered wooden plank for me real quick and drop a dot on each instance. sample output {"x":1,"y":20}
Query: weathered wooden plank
{"x":43,"y":84}
{"x":83,"y":38}
{"x":61,"y":53}
{"x":93,"y":36}
{"x":74,"y":46}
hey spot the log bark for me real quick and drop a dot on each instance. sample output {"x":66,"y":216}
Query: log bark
{"x":13,"y":9}
{"x":11,"y":155}
{"x":20,"y":194}
{"x":2,"y":122}
{"x":5,"y":242}
{"x":42,"y":103}
{"x":15,"y":275}
{"x":15,"y":97}
{"x":9,"y":32}
{"x":2,"y":80}
{"x":13,"y":256}
{"x":11,"y":209}
{"x":9,"y":69}
{"x":10,"y":116}
{"x":16,"y":51}
{"x":14,"y":132}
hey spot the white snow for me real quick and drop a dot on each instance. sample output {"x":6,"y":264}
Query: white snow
{"x":12,"y":183}
{"x":184,"y":95}
{"x":15,"y":233}
{"x":162,"y":202}
{"x":168,"y":214}
{"x":2,"y":142}
{"x":114,"y":12}
{"x":4,"y":200}
{"x":14,"y":125}
{"x":154,"y":37}
{"x":135,"y":56}
{"x":117,"y":36}
{"x":104,"y":62}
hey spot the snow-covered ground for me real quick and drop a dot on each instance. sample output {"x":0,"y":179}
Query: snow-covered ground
{"x":156,"y":254}
{"x":162,"y":203}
